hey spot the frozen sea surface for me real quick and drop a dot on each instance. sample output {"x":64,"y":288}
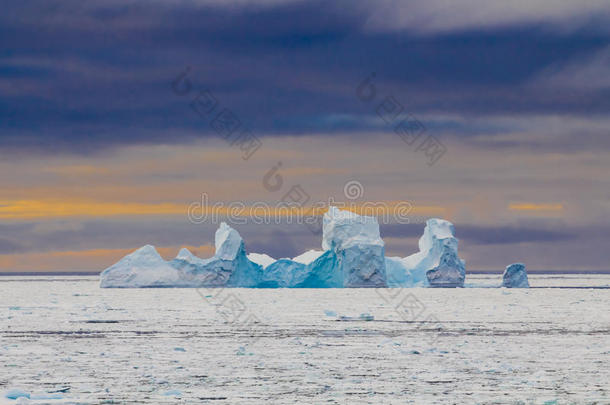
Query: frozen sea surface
{"x":65,"y":340}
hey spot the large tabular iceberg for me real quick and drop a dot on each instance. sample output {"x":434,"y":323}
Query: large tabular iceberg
{"x":352,"y":255}
{"x":515,"y":276}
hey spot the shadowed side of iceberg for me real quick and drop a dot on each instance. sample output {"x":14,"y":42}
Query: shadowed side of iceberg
{"x":322,"y":272}
{"x":515,"y":276}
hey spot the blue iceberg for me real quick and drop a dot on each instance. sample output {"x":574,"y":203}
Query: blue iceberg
{"x":358,"y":248}
{"x":229,"y":267}
{"x":437,"y":263}
{"x":352,"y":255}
{"x":515,"y":276}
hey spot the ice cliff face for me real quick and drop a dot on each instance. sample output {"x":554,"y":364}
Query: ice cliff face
{"x":399,"y":275}
{"x":436,"y":264}
{"x":352,"y":256}
{"x":515,"y":276}
{"x":359,"y":249}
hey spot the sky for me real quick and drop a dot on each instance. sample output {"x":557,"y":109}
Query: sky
{"x":113,"y":122}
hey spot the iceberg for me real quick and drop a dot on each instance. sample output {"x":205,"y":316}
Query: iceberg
{"x":283,"y":273}
{"x":352,"y":255}
{"x":398,"y":275}
{"x":261,"y":258}
{"x":359,"y":249}
{"x":322,"y":273}
{"x":437,"y":263}
{"x":290,"y":273}
{"x":142,"y":268}
{"x":308,"y":256}
{"x":515,"y":276}
{"x":229,"y":267}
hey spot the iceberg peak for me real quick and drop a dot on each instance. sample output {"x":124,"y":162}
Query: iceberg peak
{"x":437,"y":263}
{"x":142,"y":268}
{"x":185,"y":254}
{"x":342,"y":229}
{"x":437,"y":230}
{"x":146,"y":250}
{"x":228,"y":242}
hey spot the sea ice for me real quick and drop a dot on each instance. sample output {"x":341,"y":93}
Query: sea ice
{"x":15,"y":393}
{"x":515,"y":276}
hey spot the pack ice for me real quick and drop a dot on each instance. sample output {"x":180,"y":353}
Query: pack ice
{"x":352,"y":255}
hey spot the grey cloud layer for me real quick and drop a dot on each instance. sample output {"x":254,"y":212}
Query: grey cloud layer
{"x":82,"y":77}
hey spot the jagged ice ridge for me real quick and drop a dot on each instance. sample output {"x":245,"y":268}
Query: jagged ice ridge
{"x":352,"y":255}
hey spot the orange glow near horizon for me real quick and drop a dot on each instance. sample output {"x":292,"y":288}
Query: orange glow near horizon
{"x":535,"y":207}
{"x":41,"y":209}
{"x":90,"y":259}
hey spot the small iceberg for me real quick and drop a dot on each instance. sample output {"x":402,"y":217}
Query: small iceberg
{"x":515,"y":276}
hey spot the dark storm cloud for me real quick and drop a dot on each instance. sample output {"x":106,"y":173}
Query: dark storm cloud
{"x":83,"y":76}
